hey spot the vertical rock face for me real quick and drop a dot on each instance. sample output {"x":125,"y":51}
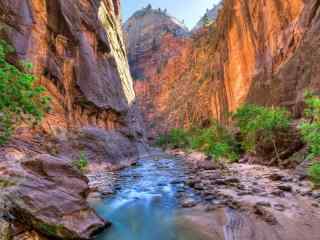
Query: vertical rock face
{"x":265,"y":52}
{"x":77,"y":51}
{"x":153,"y":37}
{"x":78,"y":54}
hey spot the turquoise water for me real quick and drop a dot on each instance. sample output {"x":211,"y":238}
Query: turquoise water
{"x":145,"y":208}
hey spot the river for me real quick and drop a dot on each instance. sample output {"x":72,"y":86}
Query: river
{"x":146,"y":206}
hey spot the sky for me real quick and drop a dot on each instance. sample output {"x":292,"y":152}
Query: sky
{"x":190,"y":11}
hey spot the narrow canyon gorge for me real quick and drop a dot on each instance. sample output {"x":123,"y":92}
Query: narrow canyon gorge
{"x":129,"y":149}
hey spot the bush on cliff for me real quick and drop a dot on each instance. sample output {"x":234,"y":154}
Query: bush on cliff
{"x":82,"y":162}
{"x":20,"y":99}
{"x":258,"y":123}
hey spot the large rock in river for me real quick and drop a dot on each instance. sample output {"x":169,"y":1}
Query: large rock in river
{"x":48,"y":195}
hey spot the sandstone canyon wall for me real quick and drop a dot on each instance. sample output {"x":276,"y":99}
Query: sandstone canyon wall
{"x":265,"y":52}
{"x":78,"y":54}
{"x":153,"y":37}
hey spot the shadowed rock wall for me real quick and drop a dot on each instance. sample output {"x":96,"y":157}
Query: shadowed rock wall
{"x":78,"y":54}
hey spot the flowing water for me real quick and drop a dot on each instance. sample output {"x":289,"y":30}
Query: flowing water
{"x":146,"y":205}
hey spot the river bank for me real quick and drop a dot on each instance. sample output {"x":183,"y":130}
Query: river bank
{"x":238,"y":201}
{"x":247,"y":201}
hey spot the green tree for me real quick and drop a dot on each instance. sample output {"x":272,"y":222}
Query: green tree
{"x":310,"y":130}
{"x":310,"y":127}
{"x":20,"y":99}
{"x":205,"y":20}
{"x":261,"y":122}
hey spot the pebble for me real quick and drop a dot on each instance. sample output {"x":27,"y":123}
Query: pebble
{"x":316,"y":195}
{"x":188,"y":203}
{"x":210,"y":208}
{"x":278,"y":193}
{"x":285,"y":188}
{"x":263,"y":204}
{"x":279,"y":207}
{"x":175,"y":182}
{"x":275,"y":177}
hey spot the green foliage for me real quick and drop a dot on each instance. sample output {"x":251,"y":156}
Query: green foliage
{"x":260,"y":122}
{"x":81,"y":163}
{"x":176,"y":138}
{"x":311,"y":135}
{"x":206,"y":20}
{"x":214,"y":141}
{"x":314,"y":173}
{"x":310,"y":128}
{"x":20,"y":100}
{"x":313,"y":106}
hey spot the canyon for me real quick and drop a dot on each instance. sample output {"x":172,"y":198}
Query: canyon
{"x":115,"y":85}
{"x":262,"y":52}
{"x":78,"y":54}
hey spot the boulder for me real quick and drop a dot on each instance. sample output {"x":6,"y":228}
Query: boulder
{"x":49,"y":196}
{"x":108,"y":149}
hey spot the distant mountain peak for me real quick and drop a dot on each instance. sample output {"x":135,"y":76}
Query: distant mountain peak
{"x":156,"y":14}
{"x":209,"y":17}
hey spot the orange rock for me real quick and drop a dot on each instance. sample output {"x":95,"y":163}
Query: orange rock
{"x":264,"y":52}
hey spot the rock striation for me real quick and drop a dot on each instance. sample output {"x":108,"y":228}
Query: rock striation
{"x":263,"y":52}
{"x":153,"y":37}
{"x":47,"y":194}
{"x":79,"y":56}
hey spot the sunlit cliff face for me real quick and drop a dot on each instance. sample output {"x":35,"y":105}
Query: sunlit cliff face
{"x":78,"y":55}
{"x":117,"y":44}
{"x":252,"y":53}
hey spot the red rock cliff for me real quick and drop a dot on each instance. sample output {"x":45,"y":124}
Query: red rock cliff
{"x":152,"y":37}
{"x":266,"y":52}
{"x":78,"y":55}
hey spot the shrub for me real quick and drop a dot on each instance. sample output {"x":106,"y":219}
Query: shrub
{"x":214,"y":141}
{"x":176,"y":138}
{"x":313,"y":107}
{"x":20,"y":100}
{"x":81,"y":163}
{"x":314,"y":173}
{"x":310,"y":128}
{"x":257,"y":122}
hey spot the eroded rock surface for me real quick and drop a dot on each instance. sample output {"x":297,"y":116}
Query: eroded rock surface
{"x":263,"y":52}
{"x":153,"y":37}
{"x":246,"y":201}
{"x":78,"y":54}
{"x":48,"y":195}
